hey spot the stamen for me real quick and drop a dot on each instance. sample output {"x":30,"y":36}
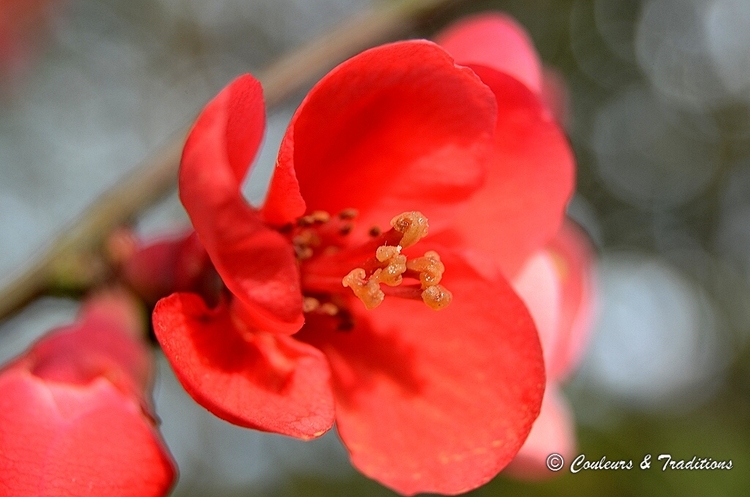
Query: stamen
{"x":316,"y":217}
{"x":310,"y":304}
{"x":366,"y":289}
{"x":412,"y":225}
{"x":395,"y":265}
{"x":303,"y":244}
{"x":436,"y":297}
{"x":348,"y":213}
{"x":329,"y":309}
{"x":321,"y":217}
{"x":429,"y":267}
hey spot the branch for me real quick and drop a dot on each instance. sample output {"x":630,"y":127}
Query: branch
{"x":74,"y":251}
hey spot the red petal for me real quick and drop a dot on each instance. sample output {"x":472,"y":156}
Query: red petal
{"x":529,"y":183}
{"x":151,"y":270}
{"x":175,"y":264}
{"x":555,"y":95}
{"x":70,"y":440}
{"x":557,"y":285}
{"x":436,"y":401}
{"x":497,"y":41}
{"x":255,"y":262}
{"x":396,"y":128}
{"x":103,"y":342}
{"x":553,"y":432}
{"x":539,"y":286}
{"x":250,"y":378}
{"x":576,"y":264}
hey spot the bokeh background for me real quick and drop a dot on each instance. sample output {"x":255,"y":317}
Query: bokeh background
{"x":659,"y":99}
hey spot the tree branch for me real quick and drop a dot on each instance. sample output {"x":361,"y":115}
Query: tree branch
{"x":75,"y":250}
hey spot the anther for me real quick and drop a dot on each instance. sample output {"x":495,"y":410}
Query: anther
{"x":320,"y":217}
{"x":374,"y":231}
{"x":310,"y":304}
{"x":436,"y":297}
{"x":366,"y":289}
{"x":412,"y":226}
{"x":429,"y":267}
{"x":316,"y":217}
{"x":303,"y":244}
{"x":329,"y":309}
{"x":348,"y":214}
{"x":395,"y":265}
{"x":384,"y":252}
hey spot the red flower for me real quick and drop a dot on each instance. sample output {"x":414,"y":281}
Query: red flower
{"x":556,"y":282}
{"x":423,"y":400}
{"x":74,"y":419}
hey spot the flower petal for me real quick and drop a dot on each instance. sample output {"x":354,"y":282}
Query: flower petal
{"x":538,"y":285}
{"x":255,"y":262}
{"x":73,"y":440}
{"x":576,"y":264}
{"x":497,"y":41}
{"x":558,"y":286}
{"x":393,"y":129}
{"x":556,"y":96}
{"x":436,"y":401}
{"x":154,"y":270}
{"x":103,"y":342}
{"x":529,"y":182}
{"x":255,"y":379}
{"x":553,"y":432}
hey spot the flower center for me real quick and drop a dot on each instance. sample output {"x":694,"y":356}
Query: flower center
{"x":372,"y":270}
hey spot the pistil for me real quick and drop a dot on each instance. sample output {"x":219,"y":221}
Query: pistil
{"x":393,"y":266}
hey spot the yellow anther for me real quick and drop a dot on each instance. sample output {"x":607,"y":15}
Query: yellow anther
{"x":329,"y":309}
{"x":310,"y":304}
{"x":412,"y":226}
{"x":348,"y":213}
{"x":304,"y":242}
{"x":315,"y":217}
{"x":320,"y":216}
{"x":366,"y":290}
{"x":429,"y":267}
{"x":436,"y":297}
{"x":385,"y":252}
{"x":396,"y":265}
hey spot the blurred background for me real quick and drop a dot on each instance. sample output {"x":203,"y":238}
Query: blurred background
{"x":659,"y":99}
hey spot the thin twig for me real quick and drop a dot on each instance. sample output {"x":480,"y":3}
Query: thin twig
{"x":75,"y":249}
